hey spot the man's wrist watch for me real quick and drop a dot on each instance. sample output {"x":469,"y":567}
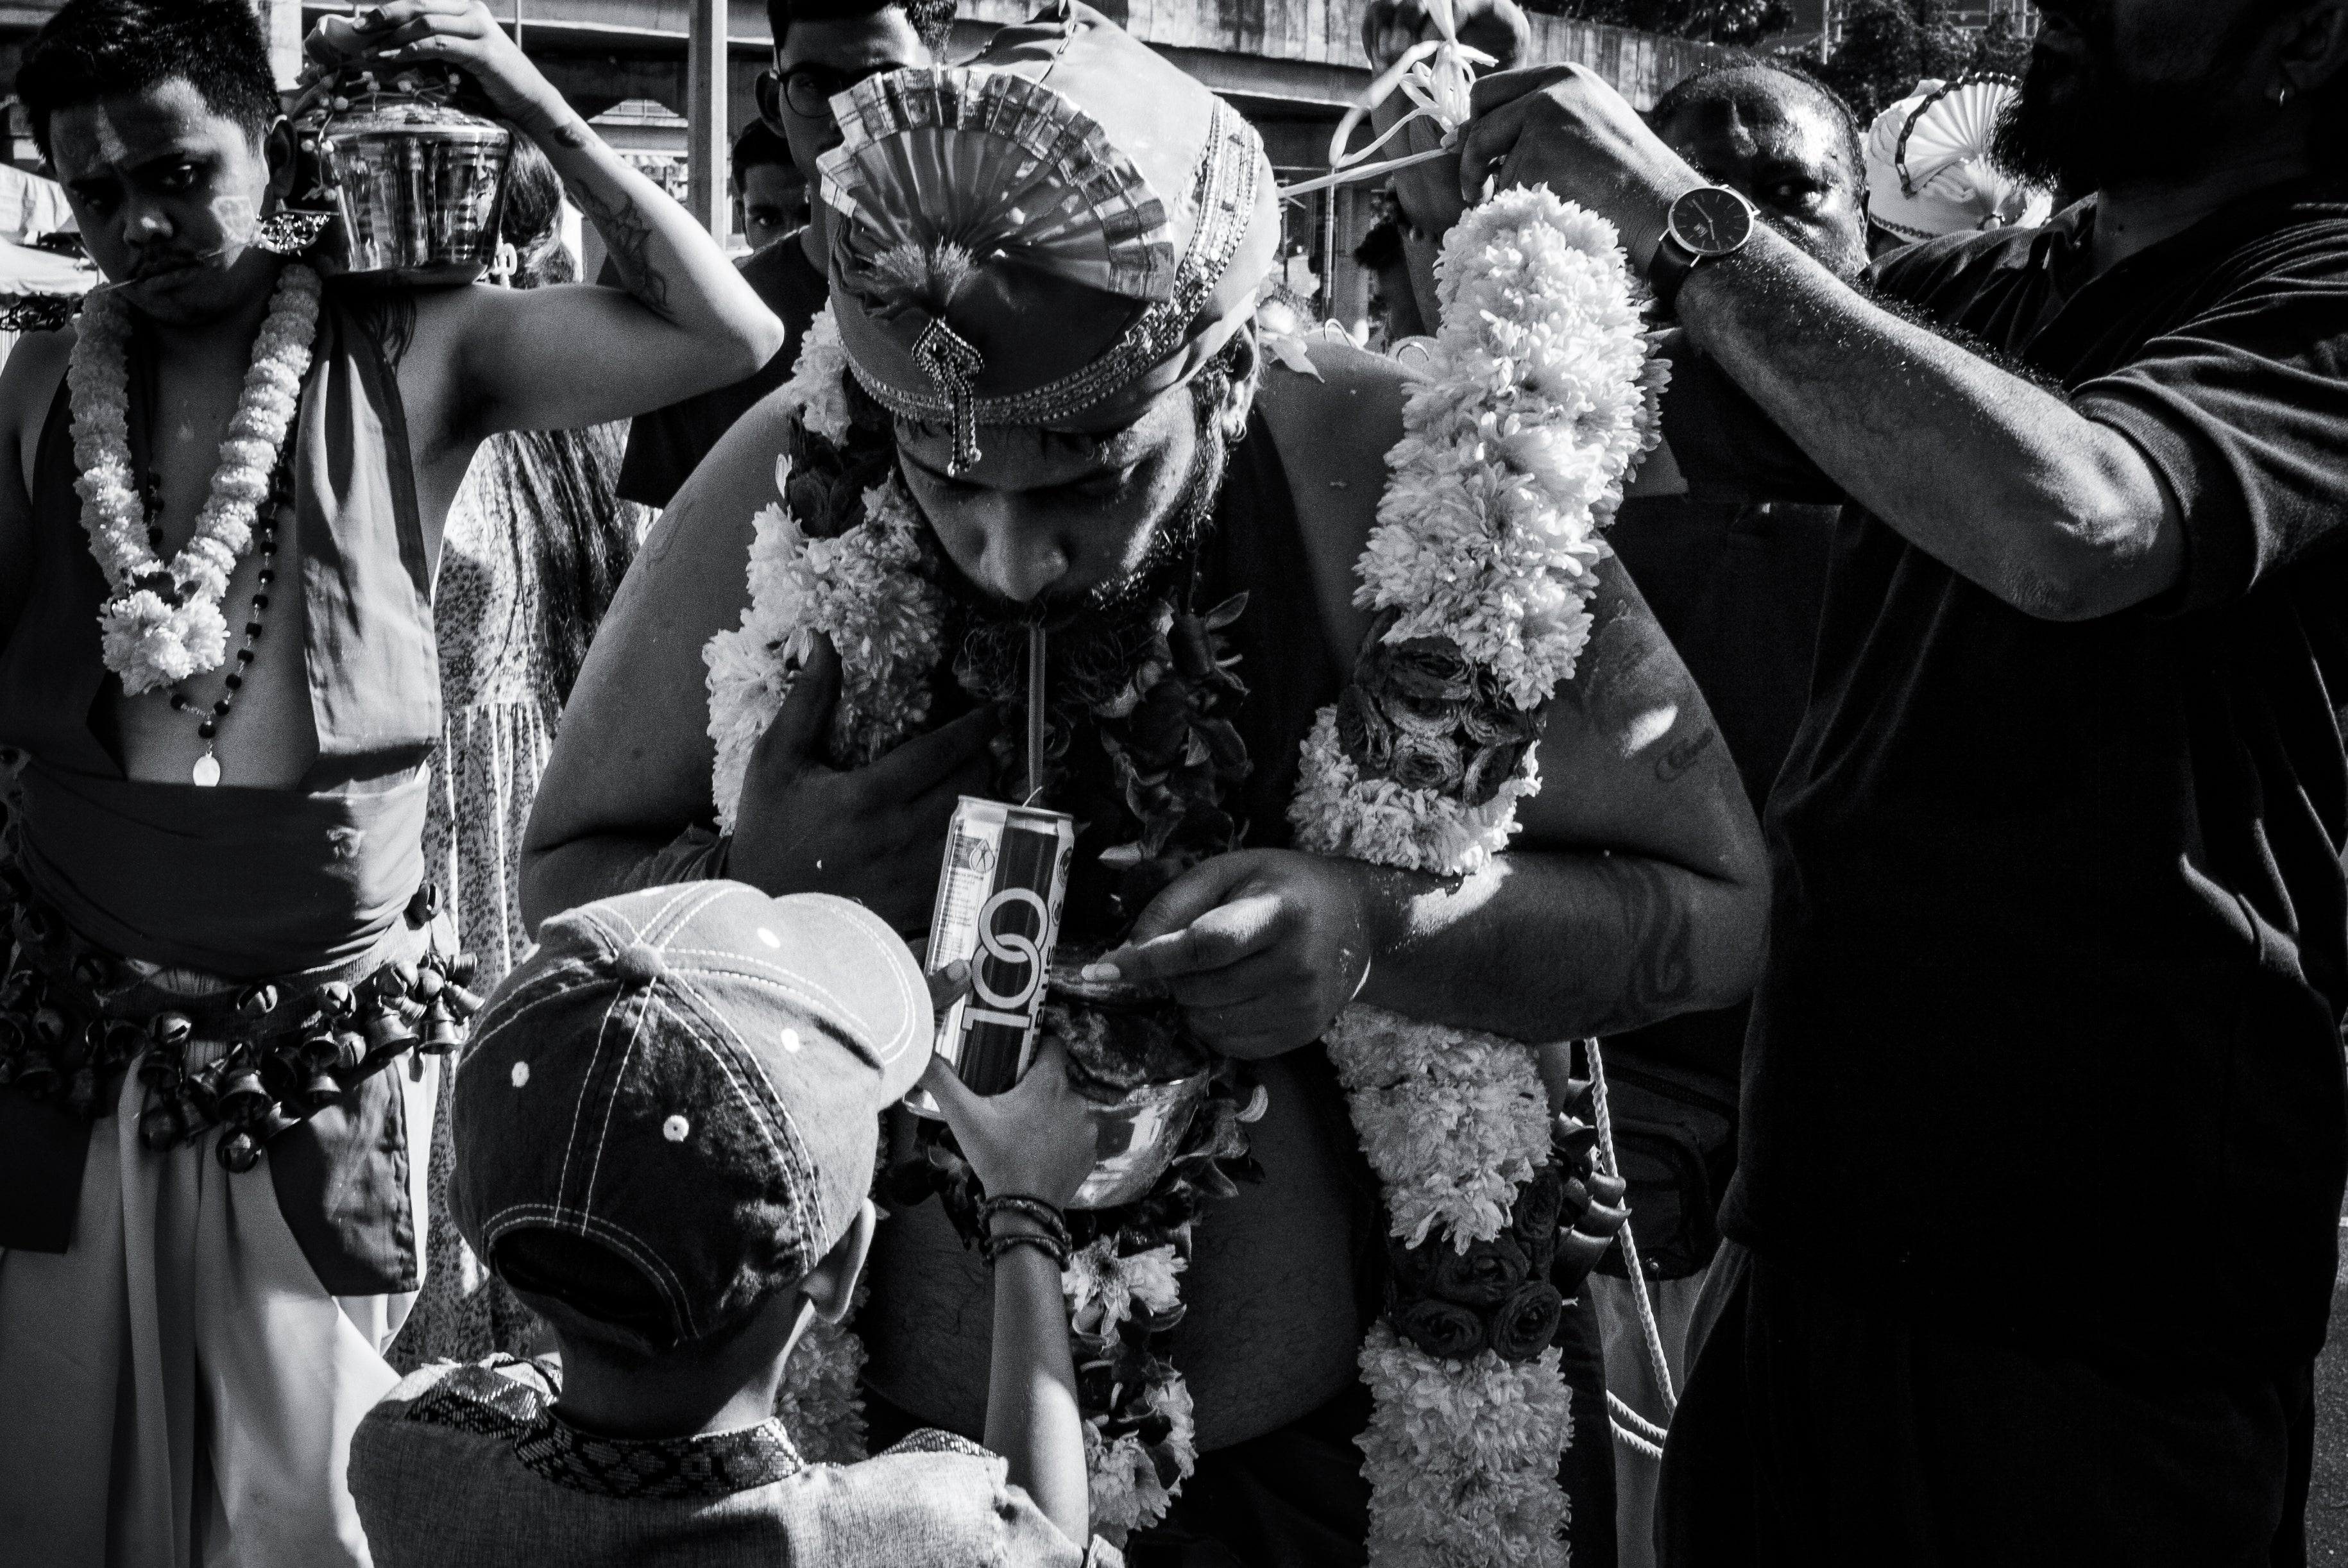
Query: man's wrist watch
{"x":1706,"y":224}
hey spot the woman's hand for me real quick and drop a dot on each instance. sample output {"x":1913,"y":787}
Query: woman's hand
{"x":1034,"y":1140}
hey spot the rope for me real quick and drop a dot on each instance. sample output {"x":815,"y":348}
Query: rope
{"x":1639,"y":1423}
{"x":1647,"y":1328}
{"x":1438,"y":76}
{"x":1637,"y":1444}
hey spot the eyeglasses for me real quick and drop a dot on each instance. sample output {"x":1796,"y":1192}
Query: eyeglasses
{"x":807,"y":91}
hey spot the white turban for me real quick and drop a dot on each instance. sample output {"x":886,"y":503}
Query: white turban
{"x":1929,"y":170}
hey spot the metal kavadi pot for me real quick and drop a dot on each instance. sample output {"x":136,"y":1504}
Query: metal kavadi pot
{"x":418,"y":183}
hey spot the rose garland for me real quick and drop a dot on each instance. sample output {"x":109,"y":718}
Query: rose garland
{"x":162,"y":624}
{"x":844,"y":552}
{"x":1540,"y":402}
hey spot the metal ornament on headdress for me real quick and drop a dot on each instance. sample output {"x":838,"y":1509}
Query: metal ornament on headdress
{"x":1438,"y":76}
{"x":953,"y":364}
{"x":968,"y":204}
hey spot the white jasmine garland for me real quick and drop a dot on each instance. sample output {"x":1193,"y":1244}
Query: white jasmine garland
{"x":162,"y":623}
{"x":1540,"y":400}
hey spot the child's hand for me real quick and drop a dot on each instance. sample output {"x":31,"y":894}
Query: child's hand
{"x":1034,"y":1140}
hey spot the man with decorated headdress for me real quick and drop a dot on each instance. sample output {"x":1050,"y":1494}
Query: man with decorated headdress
{"x":1037,"y":415}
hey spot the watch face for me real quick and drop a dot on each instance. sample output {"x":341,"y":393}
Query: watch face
{"x":1711,"y":221}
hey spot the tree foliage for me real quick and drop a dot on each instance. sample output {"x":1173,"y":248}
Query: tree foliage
{"x":1708,"y":21}
{"x":1888,"y":46}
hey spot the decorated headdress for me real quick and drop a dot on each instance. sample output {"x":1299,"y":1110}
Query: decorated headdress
{"x":1929,"y":169}
{"x":1068,"y":225}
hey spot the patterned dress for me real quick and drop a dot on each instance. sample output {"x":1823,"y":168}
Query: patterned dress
{"x":498,"y":710}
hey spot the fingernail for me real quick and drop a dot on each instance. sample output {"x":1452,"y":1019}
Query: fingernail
{"x":1102,"y":972}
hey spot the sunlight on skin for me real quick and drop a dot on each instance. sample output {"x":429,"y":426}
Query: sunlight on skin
{"x":1649,"y":728}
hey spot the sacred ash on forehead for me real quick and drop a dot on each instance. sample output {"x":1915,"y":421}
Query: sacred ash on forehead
{"x":1068,"y":225}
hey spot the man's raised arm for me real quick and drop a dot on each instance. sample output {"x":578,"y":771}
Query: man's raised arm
{"x":556,"y":358}
{"x":2057,"y":514}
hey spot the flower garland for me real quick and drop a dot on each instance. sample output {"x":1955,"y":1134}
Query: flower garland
{"x":1540,"y":402}
{"x":162,"y":624}
{"x":844,"y":552}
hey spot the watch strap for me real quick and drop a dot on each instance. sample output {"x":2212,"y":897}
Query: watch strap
{"x":1669,"y":271}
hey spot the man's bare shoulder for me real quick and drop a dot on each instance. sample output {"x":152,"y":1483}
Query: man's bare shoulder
{"x":1341,"y":423}
{"x":28,"y":383}
{"x":1332,"y":433}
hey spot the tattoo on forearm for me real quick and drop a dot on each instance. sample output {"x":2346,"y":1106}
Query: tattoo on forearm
{"x":1658,"y":940}
{"x":629,"y":237}
{"x":1682,"y":755}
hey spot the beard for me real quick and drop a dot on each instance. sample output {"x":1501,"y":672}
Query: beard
{"x":1099,"y":634}
{"x":2085,"y":118}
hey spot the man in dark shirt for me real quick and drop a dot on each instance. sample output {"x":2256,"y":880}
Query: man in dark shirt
{"x":2045,"y":1124}
{"x":822,"y":48}
{"x":770,"y":192}
{"x":1737,"y":583}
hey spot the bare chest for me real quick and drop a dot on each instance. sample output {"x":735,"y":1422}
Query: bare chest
{"x":1270,"y":1332}
{"x":256,"y":706}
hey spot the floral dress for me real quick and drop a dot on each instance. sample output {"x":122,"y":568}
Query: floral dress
{"x":498,"y":710}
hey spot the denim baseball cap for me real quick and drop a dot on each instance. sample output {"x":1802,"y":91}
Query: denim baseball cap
{"x":689,"y":1078}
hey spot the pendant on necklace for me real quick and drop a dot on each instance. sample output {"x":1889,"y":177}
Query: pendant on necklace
{"x":207,"y":771}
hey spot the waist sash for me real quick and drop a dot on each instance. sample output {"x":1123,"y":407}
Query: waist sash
{"x":243,"y":883}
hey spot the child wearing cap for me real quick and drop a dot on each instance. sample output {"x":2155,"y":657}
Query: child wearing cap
{"x":665,"y":1128}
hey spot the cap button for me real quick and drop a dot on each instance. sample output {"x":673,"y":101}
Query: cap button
{"x":639,"y":963}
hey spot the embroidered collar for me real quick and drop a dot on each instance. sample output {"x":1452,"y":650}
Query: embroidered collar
{"x":717,"y":1464}
{"x":482,"y":1399}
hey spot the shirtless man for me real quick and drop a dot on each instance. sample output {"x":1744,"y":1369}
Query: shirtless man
{"x":1635,"y":892}
{"x":210,"y":1227}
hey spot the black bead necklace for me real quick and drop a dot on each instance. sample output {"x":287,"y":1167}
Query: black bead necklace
{"x":207,"y":771}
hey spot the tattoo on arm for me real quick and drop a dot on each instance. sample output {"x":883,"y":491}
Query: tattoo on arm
{"x":1676,"y":760}
{"x":1658,"y":931}
{"x":629,"y":238}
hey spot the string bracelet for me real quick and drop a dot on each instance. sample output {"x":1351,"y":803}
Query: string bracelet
{"x":1034,"y":1209}
{"x":994,"y":1247}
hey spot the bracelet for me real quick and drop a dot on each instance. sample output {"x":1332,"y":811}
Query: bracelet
{"x":994,"y":1247}
{"x":1031,"y":1209}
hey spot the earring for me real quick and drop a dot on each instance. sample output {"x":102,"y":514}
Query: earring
{"x":287,"y":233}
{"x":2280,"y":97}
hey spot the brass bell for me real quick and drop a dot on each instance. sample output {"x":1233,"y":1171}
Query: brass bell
{"x":350,"y":1051}
{"x":463,"y":1003}
{"x":427,"y":986}
{"x":441,"y":1032}
{"x":318,"y":1049}
{"x":49,"y":1027}
{"x":238,"y":1153}
{"x":395,"y":980}
{"x":37,"y":1076}
{"x":424,"y":905}
{"x":173,"y":1031}
{"x":386,"y":1030}
{"x":200,"y":1094}
{"x":334,"y":998}
{"x":242,"y":1099}
{"x":255,"y":1001}
{"x":124,"y":1040}
{"x":93,"y":970}
{"x":282,"y":1075}
{"x":462,"y":967}
{"x":320,"y":1092}
{"x":160,"y":1125}
{"x":37,"y":926}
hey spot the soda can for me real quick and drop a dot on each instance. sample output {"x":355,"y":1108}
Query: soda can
{"x":1000,"y":888}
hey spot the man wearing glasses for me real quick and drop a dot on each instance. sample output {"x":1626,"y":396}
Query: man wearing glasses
{"x":822,"y":48}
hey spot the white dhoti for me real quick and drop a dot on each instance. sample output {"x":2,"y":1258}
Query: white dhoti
{"x":178,"y":1388}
